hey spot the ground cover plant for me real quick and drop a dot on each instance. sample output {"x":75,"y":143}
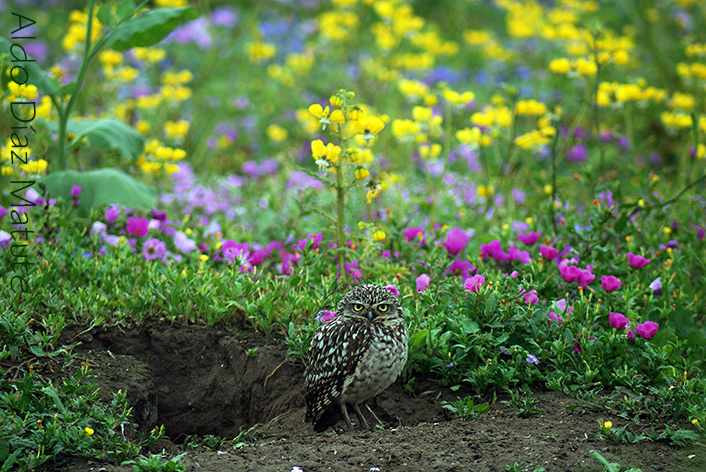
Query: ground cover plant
{"x":527,"y":177}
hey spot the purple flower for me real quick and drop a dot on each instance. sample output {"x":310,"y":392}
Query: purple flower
{"x":412,"y":233}
{"x":495,"y":250}
{"x":456,"y":240}
{"x":577,"y":153}
{"x":610,"y":283}
{"x":554,"y":317}
{"x":700,"y":232}
{"x":656,"y":286}
{"x":393,"y":289}
{"x":5,"y":239}
{"x":532,"y":360}
{"x":98,"y":228}
{"x":3,"y":212}
{"x":183,"y":243}
{"x":637,"y":261}
{"x":112,"y":213}
{"x":618,"y":320}
{"x":422,"y":282}
{"x":462,"y":268}
{"x":75,"y":192}
{"x":529,"y":238}
{"x":548,"y":252}
{"x":515,"y":254}
{"x":325,"y":315}
{"x":530,"y":297}
{"x":138,"y":226}
{"x":570,"y":273}
{"x":224,"y":16}
{"x":586,"y":277}
{"x":647,"y":330}
{"x":631,"y":335}
{"x":153,"y":249}
{"x":473,"y":284}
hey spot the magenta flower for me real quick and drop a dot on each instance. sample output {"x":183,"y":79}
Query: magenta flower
{"x":3,"y":211}
{"x":570,"y":273}
{"x":647,"y":330}
{"x":138,"y":226}
{"x":515,"y":254}
{"x":153,"y":249}
{"x":112,"y":213}
{"x":700,"y":232}
{"x":422,"y":282}
{"x":495,"y":250}
{"x":183,"y":243}
{"x":530,"y":297}
{"x":548,"y":252}
{"x":392,"y":288}
{"x":554,"y":317}
{"x":529,"y":238}
{"x":586,"y":277}
{"x":610,"y":283}
{"x":325,"y":315}
{"x":631,"y":335}
{"x":75,"y":192}
{"x":473,"y":284}
{"x":637,"y":261}
{"x":456,"y":240}
{"x":462,"y":268}
{"x":618,"y":320}
{"x":412,"y":233}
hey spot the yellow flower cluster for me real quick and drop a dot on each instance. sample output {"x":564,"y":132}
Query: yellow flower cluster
{"x":172,"y":90}
{"x":276,"y":133}
{"x":259,"y":51}
{"x":338,"y":25}
{"x":157,"y":158}
{"x":535,"y":138}
{"x":488,"y":44}
{"x":19,"y":92}
{"x":530,"y":107}
{"x":77,"y":30}
{"x":151,"y":55}
{"x":614,"y":93}
{"x":176,"y":129}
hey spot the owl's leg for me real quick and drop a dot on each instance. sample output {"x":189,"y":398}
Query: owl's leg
{"x":345,"y":415}
{"x":363,"y":423}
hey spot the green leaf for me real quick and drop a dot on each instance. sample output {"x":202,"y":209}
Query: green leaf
{"x":469,"y":327}
{"x":148,"y":28}
{"x":104,"y":134}
{"x":610,"y":466}
{"x":490,"y":305}
{"x":51,"y":391}
{"x":621,"y":223}
{"x":417,"y":339}
{"x":36,"y":75}
{"x":125,"y":9}
{"x":101,"y":187}
{"x":105,"y":15}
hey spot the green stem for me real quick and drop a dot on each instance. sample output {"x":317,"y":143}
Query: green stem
{"x":340,"y":196}
{"x":66,"y":112}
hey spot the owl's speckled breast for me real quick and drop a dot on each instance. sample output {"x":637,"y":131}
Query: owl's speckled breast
{"x":380,"y":367}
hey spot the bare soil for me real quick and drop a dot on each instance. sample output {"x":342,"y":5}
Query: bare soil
{"x":209,"y":382}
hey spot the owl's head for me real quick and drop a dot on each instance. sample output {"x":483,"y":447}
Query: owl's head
{"x":371,"y":302}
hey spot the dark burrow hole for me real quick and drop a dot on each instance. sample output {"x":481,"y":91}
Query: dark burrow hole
{"x":192,"y":381}
{"x":198,"y":381}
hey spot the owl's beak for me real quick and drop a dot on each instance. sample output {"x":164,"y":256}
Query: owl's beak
{"x":370,"y":315}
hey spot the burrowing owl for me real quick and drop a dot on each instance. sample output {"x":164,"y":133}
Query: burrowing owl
{"x":355,"y":356}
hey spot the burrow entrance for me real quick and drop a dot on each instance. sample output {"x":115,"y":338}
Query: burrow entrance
{"x":208,"y":382}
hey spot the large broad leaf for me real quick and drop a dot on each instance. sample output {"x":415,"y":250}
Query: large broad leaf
{"x":101,"y":187}
{"x":105,"y":135}
{"x":148,"y":28}
{"x":37,"y":76}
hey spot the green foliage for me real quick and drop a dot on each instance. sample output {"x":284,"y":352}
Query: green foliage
{"x":465,"y":408}
{"x":155,"y":463}
{"x":148,"y":28}
{"x":101,"y":187}
{"x":525,"y":403}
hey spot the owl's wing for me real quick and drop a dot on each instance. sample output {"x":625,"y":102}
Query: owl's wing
{"x":334,"y":353}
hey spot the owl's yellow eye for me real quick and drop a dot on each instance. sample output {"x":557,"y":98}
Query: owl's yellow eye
{"x":357,"y":307}
{"x":382,"y":308}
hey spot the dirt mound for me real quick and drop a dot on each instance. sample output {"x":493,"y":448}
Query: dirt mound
{"x":202,"y":381}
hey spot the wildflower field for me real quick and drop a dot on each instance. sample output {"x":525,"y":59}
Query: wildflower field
{"x":187,"y":189}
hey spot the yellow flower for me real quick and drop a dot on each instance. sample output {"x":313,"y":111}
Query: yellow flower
{"x":336,"y":100}
{"x":21,"y":91}
{"x":485,"y":191}
{"x":560,"y":66}
{"x":260,"y":51}
{"x":89,"y":431}
{"x":608,"y":425}
{"x":176,"y":129}
{"x":361,"y":173}
{"x":203,"y":258}
{"x":276,"y":133}
{"x":372,"y":194}
{"x":694,"y":421}
{"x":329,"y":152}
{"x":379,"y":235}
{"x":586,"y":66}
{"x":361,"y":225}
{"x":369,"y":126}
{"x":35,"y":167}
{"x":337,"y":117}
{"x":421,"y":114}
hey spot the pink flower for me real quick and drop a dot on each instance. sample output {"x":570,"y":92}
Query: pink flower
{"x":495,"y":250}
{"x":586,"y":277}
{"x":153,"y":249}
{"x":456,"y":240}
{"x":647,"y":330}
{"x":413,"y":232}
{"x":618,"y":320}
{"x":631,"y":335}
{"x":610,"y":283}
{"x":529,"y":238}
{"x":462,"y":268}
{"x":75,"y":192}
{"x":637,"y":261}
{"x":393,"y":289}
{"x":138,"y":226}
{"x":570,"y":273}
{"x":473,"y":284}
{"x":530,"y":297}
{"x":555,"y":317}
{"x":324,"y":316}
{"x":422,"y":282}
{"x":112,"y":213}
{"x":548,"y":252}
{"x":183,"y":243}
